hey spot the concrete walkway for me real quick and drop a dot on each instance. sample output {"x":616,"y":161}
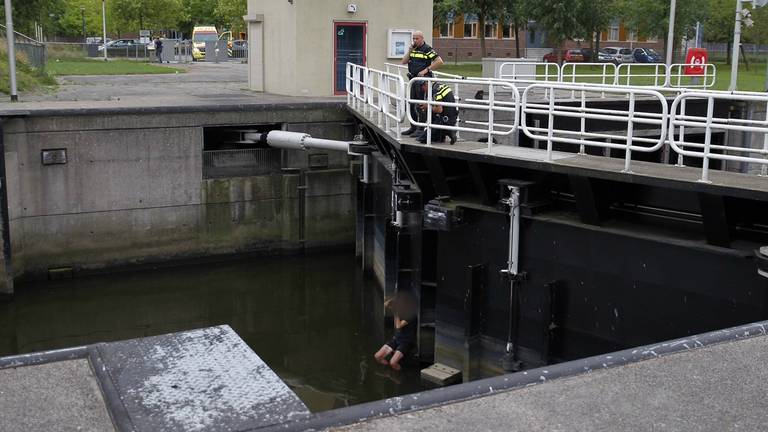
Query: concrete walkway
{"x":716,"y":388}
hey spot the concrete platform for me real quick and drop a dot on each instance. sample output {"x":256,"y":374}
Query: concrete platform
{"x":201,"y":380}
{"x":717,"y":388}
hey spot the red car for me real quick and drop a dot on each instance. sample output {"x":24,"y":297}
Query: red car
{"x":570,"y":56}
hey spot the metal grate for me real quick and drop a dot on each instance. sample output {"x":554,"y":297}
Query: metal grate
{"x":241,"y":162}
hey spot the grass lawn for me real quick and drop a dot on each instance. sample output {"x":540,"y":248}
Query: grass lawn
{"x":749,"y":80}
{"x":71,"y":66}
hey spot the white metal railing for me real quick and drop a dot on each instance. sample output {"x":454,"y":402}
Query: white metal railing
{"x":566,"y":122}
{"x":591,"y":73}
{"x":386,"y":95}
{"x":679,"y":120}
{"x":642,"y":74}
{"x":624,"y":138}
{"x":529,"y":72}
{"x":493,"y":106}
{"x":677,"y":78}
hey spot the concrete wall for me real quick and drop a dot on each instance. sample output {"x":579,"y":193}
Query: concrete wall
{"x":299,"y":40}
{"x":132,"y":191}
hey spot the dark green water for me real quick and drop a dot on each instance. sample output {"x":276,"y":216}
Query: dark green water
{"x":313,"y":319}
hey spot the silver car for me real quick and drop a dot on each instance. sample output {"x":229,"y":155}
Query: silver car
{"x":616,"y":55}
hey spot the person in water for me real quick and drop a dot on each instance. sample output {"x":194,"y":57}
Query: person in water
{"x":403,"y":306}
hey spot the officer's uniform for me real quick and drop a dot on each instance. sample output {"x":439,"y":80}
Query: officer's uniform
{"x":443,"y":93}
{"x":419,"y":59}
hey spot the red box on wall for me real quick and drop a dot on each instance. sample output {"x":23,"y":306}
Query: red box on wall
{"x":696,"y":57}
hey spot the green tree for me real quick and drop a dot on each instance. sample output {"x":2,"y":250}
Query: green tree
{"x":515,"y":12}
{"x":134,"y":15}
{"x":559,"y":19}
{"x":758,"y":33}
{"x":198,"y":13}
{"x":594,"y":17}
{"x":484,"y":9}
{"x":230,"y":13}
{"x":651,"y":17}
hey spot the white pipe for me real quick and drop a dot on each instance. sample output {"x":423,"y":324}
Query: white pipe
{"x":514,"y":231}
{"x":366,"y":173}
{"x":11,"y":49}
{"x":298,"y":141}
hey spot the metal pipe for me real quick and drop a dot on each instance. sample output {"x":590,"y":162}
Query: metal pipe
{"x":296,"y":141}
{"x":11,"y":50}
{"x":509,"y":360}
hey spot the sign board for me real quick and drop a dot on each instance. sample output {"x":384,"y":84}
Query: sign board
{"x":143,"y":33}
{"x":697,"y":57}
{"x":398,"y":42}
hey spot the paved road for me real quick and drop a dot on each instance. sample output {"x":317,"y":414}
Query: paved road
{"x":200,"y":80}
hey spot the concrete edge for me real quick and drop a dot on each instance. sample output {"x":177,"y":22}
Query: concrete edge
{"x":183,"y":109}
{"x":114,"y":404}
{"x":502,"y":383}
{"x":44,"y":357}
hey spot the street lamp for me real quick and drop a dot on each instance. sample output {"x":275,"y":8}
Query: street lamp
{"x":671,"y":33}
{"x":82,"y":12}
{"x":11,"y":50}
{"x":104,"y":26}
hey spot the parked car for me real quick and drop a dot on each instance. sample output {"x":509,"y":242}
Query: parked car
{"x":570,"y":56}
{"x":119,"y":43}
{"x":646,"y":55}
{"x":588,"y":54}
{"x":616,"y":55}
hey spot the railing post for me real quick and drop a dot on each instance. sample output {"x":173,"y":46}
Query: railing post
{"x":429,"y":113}
{"x":680,"y":160}
{"x":582,"y":148}
{"x":630,"y":133}
{"x":491,"y":100}
{"x":764,"y":169}
{"x":550,"y":125}
{"x":707,"y":141}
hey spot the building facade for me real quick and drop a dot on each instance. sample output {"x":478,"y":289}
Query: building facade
{"x":458,"y":39}
{"x":301,"y":47}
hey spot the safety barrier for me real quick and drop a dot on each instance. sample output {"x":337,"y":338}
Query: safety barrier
{"x":386,"y":94}
{"x":677,"y":78}
{"x":492,"y":106}
{"x":631,"y":117}
{"x":529,"y":72}
{"x":640,"y":128}
{"x":679,"y":120}
{"x":605,"y":74}
{"x":642,"y":74}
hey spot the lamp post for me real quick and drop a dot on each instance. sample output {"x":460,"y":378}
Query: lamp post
{"x":11,"y":50}
{"x":82,"y":13}
{"x":104,"y":26}
{"x":671,"y":33}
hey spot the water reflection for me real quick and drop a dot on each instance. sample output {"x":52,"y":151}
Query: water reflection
{"x":313,"y":319}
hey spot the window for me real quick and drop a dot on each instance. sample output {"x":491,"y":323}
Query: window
{"x":470,"y":26}
{"x":613,"y":31}
{"x":508,"y":31}
{"x":632,"y":35}
{"x":446,"y":30}
{"x":490,"y":30}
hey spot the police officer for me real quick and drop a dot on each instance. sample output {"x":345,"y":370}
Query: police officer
{"x":441,"y":115}
{"x":421,"y":60}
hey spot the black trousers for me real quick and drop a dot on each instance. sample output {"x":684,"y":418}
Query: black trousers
{"x":416,"y":113}
{"x":439,"y":119}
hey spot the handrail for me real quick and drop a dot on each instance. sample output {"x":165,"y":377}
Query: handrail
{"x":711,"y":123}
{"x":677,"y":71}
{"x":492,"y":106}
{"x":631,"y":116}
{"x":521,"y":72}
{"x":645,"y":128}
{"x":659,"y":74}
{"x":569,"y":73}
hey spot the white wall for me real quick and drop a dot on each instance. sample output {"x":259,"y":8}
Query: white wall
{"x":299,"y":39}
